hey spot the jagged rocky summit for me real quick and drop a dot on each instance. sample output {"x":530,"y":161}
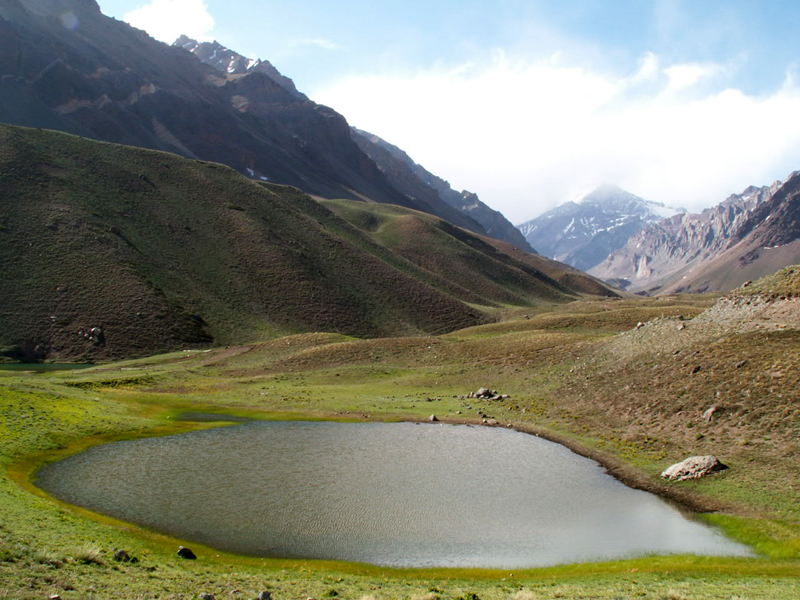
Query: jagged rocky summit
{"x":231,"y":62}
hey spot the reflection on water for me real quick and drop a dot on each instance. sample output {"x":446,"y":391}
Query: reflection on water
{"x":389,"y":494}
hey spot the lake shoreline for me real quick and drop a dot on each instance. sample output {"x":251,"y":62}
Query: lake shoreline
{"x":521,"y":468}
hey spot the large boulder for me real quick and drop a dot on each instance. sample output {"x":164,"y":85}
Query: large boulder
{"x":694,"y":467}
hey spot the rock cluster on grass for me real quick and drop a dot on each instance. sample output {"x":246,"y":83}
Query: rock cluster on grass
{"x":96,"y":335}
{"x":694,"y":467}
{"x":487,"y":394}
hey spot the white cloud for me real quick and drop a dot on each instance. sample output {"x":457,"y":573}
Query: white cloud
{"x":649,"y":69}
{"x":685,"y":76}
{"x":527,"y":135}
{"x":166,"y":20}
{"x":317,"y":42}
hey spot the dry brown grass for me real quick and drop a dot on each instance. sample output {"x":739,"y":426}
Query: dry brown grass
{"x":647,"y":393}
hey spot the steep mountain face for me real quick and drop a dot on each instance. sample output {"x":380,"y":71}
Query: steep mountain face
{"x":775,"y":221}
{"x":766,"y":240}
{"x":421,"y":185}
{"x":584,"y":233}
{"x":670,"y":246}
{"x":109,"y":251}
{"x":228,"y":61}
{"x":66,"y":66}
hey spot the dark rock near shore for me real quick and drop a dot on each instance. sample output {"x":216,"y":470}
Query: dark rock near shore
{"x":187,"y":553}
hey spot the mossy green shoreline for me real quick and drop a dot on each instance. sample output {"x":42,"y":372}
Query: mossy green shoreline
{"x":47,"y":547}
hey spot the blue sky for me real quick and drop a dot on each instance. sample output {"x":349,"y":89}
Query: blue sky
{"x":532,"y":103}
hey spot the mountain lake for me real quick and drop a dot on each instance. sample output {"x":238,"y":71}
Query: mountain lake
{"x":401,"y":494}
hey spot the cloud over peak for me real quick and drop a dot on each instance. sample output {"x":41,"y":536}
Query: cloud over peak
{"x":529,"y":134}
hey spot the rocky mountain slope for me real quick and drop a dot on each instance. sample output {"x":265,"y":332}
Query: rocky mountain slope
{"x":419,"y":183}
{"x":583,"y":234}
{"x":109,"y":251}
{"x":744,"y":233}
{"x":66,"y":66}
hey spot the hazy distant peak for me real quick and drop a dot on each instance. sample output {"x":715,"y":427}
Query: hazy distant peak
{"x":583,"y":233}
{"x":604,"y":191}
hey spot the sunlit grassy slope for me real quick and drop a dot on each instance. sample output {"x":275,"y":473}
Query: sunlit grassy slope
{"x":159,"y":252}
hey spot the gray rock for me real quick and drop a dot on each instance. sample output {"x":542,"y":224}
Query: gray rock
{"x":265,"y":596}
{"x":207,"y":597}
{"x":708,"y":415}
{"x":433,"y":418}
{"x":694,"y":467}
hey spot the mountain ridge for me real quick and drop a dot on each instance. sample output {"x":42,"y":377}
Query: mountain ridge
{"x":66,"y":66}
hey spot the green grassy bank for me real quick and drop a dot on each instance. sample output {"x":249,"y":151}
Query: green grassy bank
{"x":581,"y":375}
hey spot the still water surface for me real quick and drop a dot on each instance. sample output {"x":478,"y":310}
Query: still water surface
{"x":390,"y":494}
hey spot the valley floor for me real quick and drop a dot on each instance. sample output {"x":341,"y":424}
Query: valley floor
{"x":627,"y":382}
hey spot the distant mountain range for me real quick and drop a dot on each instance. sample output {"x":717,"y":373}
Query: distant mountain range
{"x":646,"y":247}
{"x":747,"y":236}
{"x":584,"y":233}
